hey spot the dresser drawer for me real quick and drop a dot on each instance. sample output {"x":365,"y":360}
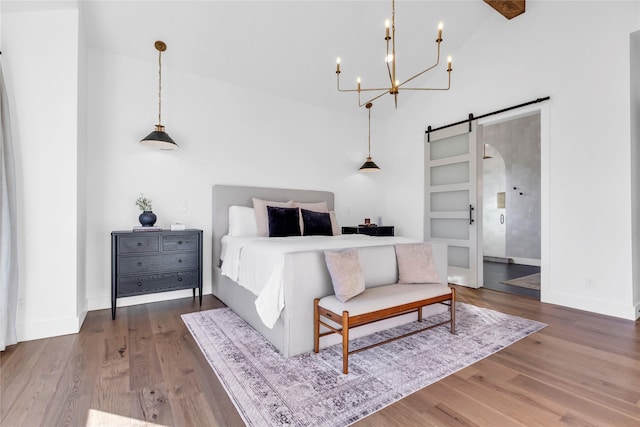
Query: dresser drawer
{"x":149,"y":263}
{"x":180,"y":242}
{"x":138,"y":285}
{"x":138,"y":243}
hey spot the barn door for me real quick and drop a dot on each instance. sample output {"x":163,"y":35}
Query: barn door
{"x":451,"y":199}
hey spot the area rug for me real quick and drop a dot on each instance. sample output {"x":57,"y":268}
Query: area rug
{"x":310,"y":389}
{"x":530,"y":282}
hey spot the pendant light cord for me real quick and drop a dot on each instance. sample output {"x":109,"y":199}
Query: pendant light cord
{"x":369,"y":109}
{"x":159,"y":87}
{"x":368,"y":106}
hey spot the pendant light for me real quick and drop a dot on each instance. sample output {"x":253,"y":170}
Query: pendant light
{"x":369,"y":165}
{"x":159,"y":138}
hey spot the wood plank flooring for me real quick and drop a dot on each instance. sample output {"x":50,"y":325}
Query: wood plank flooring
{"x":144,"y":368}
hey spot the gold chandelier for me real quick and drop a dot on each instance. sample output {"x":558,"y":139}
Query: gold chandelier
{"x":395,"y":85}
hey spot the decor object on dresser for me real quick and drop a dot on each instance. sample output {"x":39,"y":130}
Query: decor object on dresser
{"x":369,"y":165}
{"x":147,"y":218}
{"x":156,"y":261}
{"x":158,"y":138}
{"x":390,"y":58}
{"x":372,"y":230}
{"x":310,"y":389}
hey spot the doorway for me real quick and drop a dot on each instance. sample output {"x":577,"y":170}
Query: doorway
{"x":511,"y":201}
{"x":453,"y":202}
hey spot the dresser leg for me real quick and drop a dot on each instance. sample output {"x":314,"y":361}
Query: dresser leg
{"x":113,"y":310}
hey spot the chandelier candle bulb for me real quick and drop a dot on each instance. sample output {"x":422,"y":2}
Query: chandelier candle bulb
{"x":386,"y":24}
{"x":449,"y":61}
{"x":440,"y":25}
{"x":358,"y":80}
{"x":338,"y":65}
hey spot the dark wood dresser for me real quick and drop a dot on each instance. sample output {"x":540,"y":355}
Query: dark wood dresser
{"x":145,"y":262}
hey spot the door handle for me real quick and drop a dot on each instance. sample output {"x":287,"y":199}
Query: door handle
{"x":501,"y":218}
{"x":471,"y":220}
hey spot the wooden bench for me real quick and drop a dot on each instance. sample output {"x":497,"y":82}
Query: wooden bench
{"x":378,"y":303}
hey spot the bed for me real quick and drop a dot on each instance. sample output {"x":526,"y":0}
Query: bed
{"x":304,"y":274}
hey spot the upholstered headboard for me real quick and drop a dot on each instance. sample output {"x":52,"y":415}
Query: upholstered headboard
{"x":230,"y":195}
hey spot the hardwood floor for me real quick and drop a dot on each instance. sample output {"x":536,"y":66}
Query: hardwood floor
{"x":144,"y":368}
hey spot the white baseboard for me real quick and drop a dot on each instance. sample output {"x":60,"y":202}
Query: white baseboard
{"x":629,"y":312}
{"x":48,"y":328}
{"x":104,"y":301}
{"x":527,"y":261}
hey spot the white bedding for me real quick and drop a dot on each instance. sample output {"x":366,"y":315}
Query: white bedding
{"x":257,"y":263}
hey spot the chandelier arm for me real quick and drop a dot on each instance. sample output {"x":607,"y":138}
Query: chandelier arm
{"x":430,"y":88}
{"x":357,"y":90}
{"x":387,"y":62}
{"x":386,"y":91}
{"x":424,"y":71}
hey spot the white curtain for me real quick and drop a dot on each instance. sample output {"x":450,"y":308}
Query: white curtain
{"x":8,"y":228}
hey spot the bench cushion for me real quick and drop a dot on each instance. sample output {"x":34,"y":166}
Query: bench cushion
{"x":381,"y":297}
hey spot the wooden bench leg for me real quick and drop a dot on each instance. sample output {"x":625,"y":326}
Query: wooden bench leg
{"x":452,"y":307}
{"x":345,"y":342}
{"x":316,"y":326}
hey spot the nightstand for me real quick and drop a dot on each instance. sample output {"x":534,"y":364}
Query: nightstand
{"x":383,"y":230}
{"x":145,"y":262}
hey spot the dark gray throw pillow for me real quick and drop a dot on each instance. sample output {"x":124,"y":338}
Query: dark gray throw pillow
{"x":316,"y":223}
{"x":283,"y":222}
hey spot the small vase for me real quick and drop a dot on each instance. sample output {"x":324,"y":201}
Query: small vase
{"x":147,"y":218}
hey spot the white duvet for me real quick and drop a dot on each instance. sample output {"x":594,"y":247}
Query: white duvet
{"x":257,"y":263}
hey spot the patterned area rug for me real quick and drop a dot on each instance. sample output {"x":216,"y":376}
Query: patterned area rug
{"x":530,"y":282}
{"x":310,"y":389}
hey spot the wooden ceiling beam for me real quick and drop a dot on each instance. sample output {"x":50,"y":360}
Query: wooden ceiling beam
{"x":507,"y":8}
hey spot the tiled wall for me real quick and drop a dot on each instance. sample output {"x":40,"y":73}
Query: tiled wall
{"x":518,"y":142}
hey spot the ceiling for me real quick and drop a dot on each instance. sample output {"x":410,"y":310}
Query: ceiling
{"x":286,"y":48}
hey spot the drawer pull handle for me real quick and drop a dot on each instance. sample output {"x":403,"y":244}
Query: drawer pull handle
{"x":139,"y":244}
{"x":179,"y":279}
{"x":179,"y":242}
{"x":139,"y":283}
{"x":139,"y":264}
{"x":179,"y":260}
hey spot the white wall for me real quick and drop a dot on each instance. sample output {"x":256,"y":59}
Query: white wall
{"x":226,"y":135}
{"x":580,"y":58}
{"x":635,"y":163}
{"x":40,"y":60}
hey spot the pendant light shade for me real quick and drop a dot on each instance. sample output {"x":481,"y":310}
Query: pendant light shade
{"x":159,"y":138}
{"x":369,"y":165}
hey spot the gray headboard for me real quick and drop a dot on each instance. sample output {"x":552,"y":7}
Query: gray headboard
{"x":230,"y":195}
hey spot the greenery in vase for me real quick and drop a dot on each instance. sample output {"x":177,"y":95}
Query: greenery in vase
{"x":143,"y":203}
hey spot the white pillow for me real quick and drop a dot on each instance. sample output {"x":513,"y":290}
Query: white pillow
{"x":346,"y":273}
{"x":242,"y":221}
{"x":312,"y":206}
{"x":415,"y":263}
{"x":335,"y":227}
